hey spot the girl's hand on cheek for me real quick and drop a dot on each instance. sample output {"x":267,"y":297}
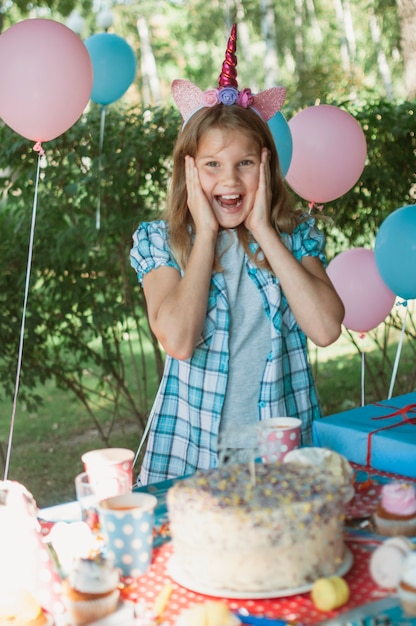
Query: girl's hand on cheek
{"x":260,"y":213}
{"x":198,"y":204}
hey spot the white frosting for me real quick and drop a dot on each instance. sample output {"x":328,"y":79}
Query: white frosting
{"x":330,"y":462}
{"x":408,"y":574}
{"x":72,"y":541}
{"x":402,"y":543}
{"x":282,"y":531}
{"x":387,"y":561}
{"x":324,"y":458}
{"x":93,"y":575}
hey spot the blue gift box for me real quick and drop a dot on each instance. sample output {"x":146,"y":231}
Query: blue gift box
{"x":381,"y":435}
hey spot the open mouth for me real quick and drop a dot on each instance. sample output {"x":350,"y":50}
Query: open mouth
{"x":230,"y":201}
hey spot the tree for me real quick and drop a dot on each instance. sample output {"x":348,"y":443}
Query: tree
{"x":85,"y":308}
{"x":406,"y":10}
{"x":318,"y":50}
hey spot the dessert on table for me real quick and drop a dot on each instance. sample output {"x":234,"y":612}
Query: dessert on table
{"x":407,"y":584}
{"x":235,"y":529}
{"x":396,"y":510}
{"x":91,"y":590}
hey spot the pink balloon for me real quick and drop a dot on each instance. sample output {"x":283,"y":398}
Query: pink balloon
{"x":329,"y":152}
{"x":367,"y":299}
{"x":45,"y":78}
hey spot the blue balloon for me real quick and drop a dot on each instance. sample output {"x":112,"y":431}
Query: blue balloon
{"x":283,"y":140}
{"x":114,"y":67}
{"x":395,"y":251}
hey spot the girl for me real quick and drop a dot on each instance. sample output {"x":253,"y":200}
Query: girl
{"x":234,"y":282}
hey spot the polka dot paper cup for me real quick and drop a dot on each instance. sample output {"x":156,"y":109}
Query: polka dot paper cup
{"x":277,"y":436}
{"x":127,"y":522}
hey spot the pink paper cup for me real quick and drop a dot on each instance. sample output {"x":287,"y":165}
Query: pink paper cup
{"x":277,"y":436}
{"x":109,"y":462}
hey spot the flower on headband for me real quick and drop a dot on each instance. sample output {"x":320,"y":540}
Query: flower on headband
{"x":245,"y":98}
{"x":228,"y":95}
{"x":210,"y":97}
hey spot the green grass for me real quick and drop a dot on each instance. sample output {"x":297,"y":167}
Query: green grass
{"x":48,"y":443}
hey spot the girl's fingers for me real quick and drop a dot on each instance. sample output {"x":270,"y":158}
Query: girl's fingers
{"x":192,"y":181}
{"x":198,"y":204}
{"x":260,"y":214}
{"x":262,"y":202}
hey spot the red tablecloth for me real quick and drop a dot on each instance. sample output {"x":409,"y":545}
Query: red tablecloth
{"x":298,"y":607}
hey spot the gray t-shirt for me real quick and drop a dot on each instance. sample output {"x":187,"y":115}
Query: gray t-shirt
{"x":250,"y":343}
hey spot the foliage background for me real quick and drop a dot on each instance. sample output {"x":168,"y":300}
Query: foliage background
{"x":87,"y":337}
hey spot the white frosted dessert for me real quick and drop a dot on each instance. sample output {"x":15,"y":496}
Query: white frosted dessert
{"x":328,"y":461}
{"x":282,"y":532}
{"x":91,"y":591}
{"x":96,"y":575}
{"x":387,"y":560}
{"x":407,"y":584}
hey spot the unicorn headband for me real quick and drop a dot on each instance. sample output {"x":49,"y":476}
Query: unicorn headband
{"x":189,"y":98}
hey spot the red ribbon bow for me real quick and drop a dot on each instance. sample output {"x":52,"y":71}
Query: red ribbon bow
{"x":403,"y":413}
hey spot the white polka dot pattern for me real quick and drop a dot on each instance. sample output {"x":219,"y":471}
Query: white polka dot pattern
{"x":299,"y":607}
{"x":128,"y":537}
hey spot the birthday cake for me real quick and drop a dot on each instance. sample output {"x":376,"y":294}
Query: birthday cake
{"x":275,"y":526}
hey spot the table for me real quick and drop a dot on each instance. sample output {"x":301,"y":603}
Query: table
{"x":360,"y":541}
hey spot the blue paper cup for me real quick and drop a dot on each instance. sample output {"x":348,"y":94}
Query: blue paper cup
{"x":127,"y":522}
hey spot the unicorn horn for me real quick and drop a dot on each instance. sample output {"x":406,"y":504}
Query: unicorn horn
{"x":228,"y":76}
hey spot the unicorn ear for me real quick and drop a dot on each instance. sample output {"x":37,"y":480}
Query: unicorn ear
{"x":269,"y":102}
{"x":188,"y":97}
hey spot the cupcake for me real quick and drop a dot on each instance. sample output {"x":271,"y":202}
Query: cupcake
{"x":407,"y":585}
{"x":329,"y":461}
{"x":387,"y":560}
{"x":210,"y":613}
{"x":396,"y":510}
{"x":91,"y":590}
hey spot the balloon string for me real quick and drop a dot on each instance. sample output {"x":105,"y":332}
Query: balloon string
{"x":101,"y":143}
{"x":399,"y":349}
{"x":362,"y":372}
{"x":22,"y":328}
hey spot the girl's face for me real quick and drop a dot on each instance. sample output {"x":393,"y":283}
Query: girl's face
{"x":228,"y":164}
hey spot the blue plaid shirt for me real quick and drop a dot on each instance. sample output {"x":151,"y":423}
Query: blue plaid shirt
{"x":186,"y":414}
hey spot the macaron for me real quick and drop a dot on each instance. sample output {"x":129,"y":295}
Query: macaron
{"x":330,"y":593}
{"x":387,"y":560}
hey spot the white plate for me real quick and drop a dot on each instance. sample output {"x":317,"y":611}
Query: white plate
{"x":182,"y":579}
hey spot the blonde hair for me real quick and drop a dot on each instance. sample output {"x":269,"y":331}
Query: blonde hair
{"x":230,"y":118}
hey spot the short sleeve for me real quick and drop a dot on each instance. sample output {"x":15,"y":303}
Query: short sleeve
{"x":150,"y":249}
{"x":306,"y":240}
